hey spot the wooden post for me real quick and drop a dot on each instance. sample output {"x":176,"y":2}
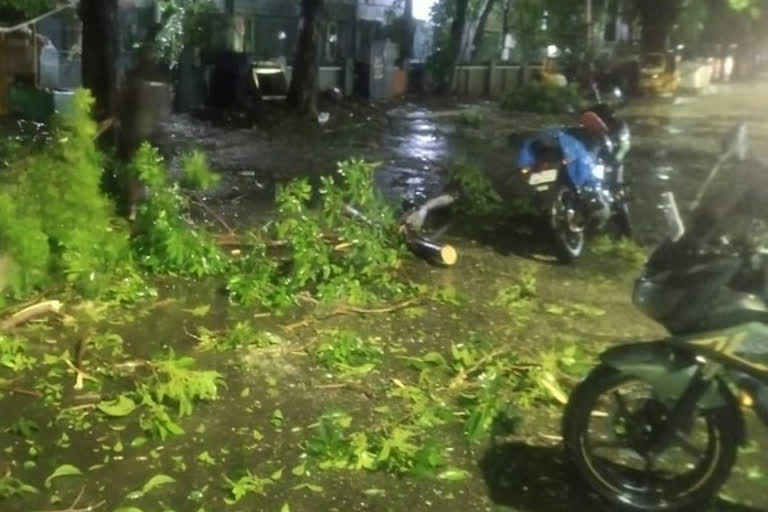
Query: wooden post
{"x":491,"y":78}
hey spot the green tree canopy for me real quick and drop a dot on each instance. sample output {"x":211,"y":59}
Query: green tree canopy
{"x":17,"y":10}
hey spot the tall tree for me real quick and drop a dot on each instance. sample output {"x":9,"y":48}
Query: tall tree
{"x":100,"y":53}
{"x":458,"y":27}
{"x":302,"y":94}
{"x":478,"y":29}
{"x":410,"y":28}
{"x":657,"y":19}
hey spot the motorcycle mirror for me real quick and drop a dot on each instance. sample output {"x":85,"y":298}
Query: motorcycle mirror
{"x":735,"y":143}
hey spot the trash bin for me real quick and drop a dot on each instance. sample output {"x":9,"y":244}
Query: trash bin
{"x":30,"y":103}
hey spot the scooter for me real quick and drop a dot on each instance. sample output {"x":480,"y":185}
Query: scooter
{"x":656,"y":426}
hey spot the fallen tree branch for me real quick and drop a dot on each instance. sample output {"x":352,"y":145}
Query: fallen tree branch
{"x":349,"y":310}
{"x":350,"y":387}
{"x":28,"y":313}
{"x":72,"y":507}
{"x":10,"y":388}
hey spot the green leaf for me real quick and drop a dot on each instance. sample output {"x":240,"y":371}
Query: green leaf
{"x":277,"y":418}
{"x":311,"y":487}
{"x":121,"y":406}
{"x":138,"y":441}
{"x":375,"y":492}
{"x":453,"y":474}
{"x":64,"y":470}
{"x":277,"y":475}
{"x":199,"y":311}
{"x":157,"y":481}
{"x":285,"y":508}
{"x":435,"y":358}
{"x":299,"y":470}
{"x":128,"y":509}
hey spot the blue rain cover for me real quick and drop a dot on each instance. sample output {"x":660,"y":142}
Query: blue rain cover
{"x":579,"y":161}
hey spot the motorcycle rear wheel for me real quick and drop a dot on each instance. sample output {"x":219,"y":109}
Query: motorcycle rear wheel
{"x":640,"y":490}
{"x":568,"y":242}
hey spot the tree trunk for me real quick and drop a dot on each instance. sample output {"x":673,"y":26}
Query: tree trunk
{"x":303,"y":91}
{"x":657,"y":18}
{"x":407,"y":51}
{"x":458,"y":26}
{"x":479,"y":29}
{"x":100,"y":53}
{"x":505,"y":24}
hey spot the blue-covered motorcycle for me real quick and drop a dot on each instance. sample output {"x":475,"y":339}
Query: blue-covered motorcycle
{"x":576,"y":176}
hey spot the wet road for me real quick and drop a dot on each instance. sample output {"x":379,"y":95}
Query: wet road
{"x":675,"y":141}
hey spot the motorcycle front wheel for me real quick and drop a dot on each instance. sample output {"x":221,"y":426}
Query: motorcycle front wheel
{"x":608,"y":427}
{"x":568,"y":229}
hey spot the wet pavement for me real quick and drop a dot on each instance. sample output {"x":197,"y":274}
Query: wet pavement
{"x":675,"y":142}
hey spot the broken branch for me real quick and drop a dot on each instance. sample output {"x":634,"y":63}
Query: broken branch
{"x":213,"y":214}
{"x":28,"y":313}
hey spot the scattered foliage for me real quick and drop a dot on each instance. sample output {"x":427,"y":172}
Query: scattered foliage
{"x":328,"y":251}
{"x":471,"y":118}
{"x":542,"y":98}
{"x":623,"y":250}
{"x":241,"y":335}
{"x":13,"y":354}
{"x":245,"y":485}
{"x":348,"y":353}
{"x":11,"y":487}
{"x":167,"y":240}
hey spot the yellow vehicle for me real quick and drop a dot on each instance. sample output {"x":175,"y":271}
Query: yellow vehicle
{"x":659,"y":74}
{"x":550,"y":75}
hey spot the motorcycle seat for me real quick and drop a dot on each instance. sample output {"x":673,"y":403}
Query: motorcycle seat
{"x":591,"y":140}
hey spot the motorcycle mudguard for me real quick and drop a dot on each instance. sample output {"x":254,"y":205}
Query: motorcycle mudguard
{"x":670,"y":373}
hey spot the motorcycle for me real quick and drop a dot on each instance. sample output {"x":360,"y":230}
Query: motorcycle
{"x":656,"y":426}
{"x":576,"y":176}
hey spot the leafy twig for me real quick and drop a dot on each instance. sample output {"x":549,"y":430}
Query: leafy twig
{"x":213,"y":214}
{"x":487,"y":358}
{"x":349,"y":310}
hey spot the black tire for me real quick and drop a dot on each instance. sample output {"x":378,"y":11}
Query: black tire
{"x":568,"y":245}
{"x":722,"y":422}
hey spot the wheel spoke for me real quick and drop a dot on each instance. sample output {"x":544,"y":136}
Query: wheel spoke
{"x":623,"y":409}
